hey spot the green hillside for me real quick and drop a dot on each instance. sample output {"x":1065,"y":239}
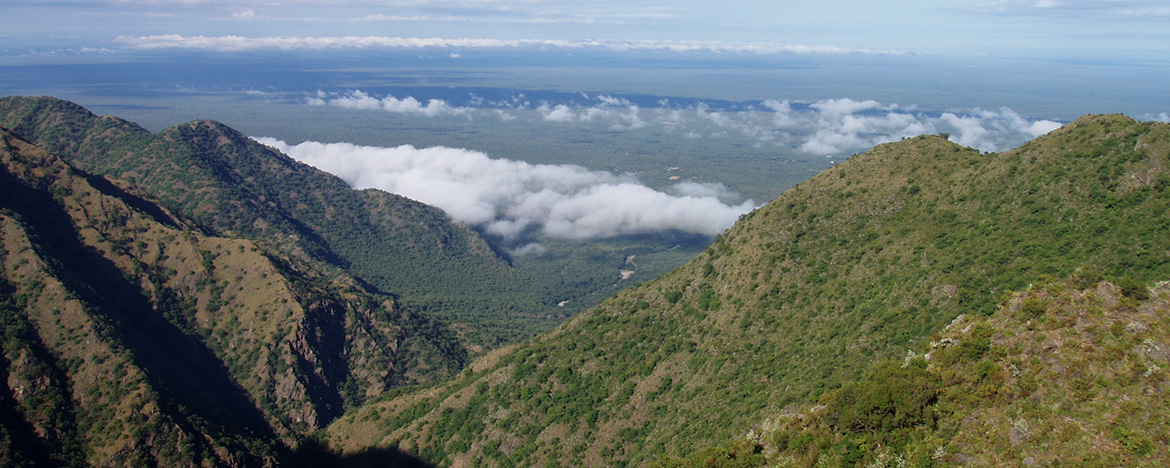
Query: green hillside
{"x":856,"y":265}
{"x":1066,"y":373}
{"x":131,"y":338}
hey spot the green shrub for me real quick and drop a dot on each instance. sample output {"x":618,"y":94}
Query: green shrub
{"x":890,"y":396}
{"x":1133,"y":289}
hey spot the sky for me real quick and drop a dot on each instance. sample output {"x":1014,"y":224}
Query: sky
{"x":798,"y":79}
{"x":1034,"y":28}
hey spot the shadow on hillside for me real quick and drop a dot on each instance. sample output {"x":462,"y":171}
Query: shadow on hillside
{"x":193,"y":386}
{"x":314,"y":454}
{"x":141,"y":204}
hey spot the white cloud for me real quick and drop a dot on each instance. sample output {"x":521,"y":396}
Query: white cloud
{"x":1097,"y":9}
{"x":830,"y":126}
{"x":621,"y":114}
{"x":844,"y":106}
{"x":717,"y":118}
{"x":408,"y":105}
{"x":507,"y":198}
{"x":837,"y":126}
{"x":532,"y":248}
{"x":1041,"y":127}
{"x":698,"y":189}
{"x":494,"y":19}
{"x":560,"y":113}
{"x":241,"y":43}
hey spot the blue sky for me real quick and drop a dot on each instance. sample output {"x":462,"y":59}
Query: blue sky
{"x":1086,"y":29}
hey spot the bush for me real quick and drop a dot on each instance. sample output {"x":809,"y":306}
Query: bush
{"x":890,"y":396}
{"x":1086,"y":278}
{"x":1133,"y":289}
{"x":1033,"y":307}
{"x":708,"y":300}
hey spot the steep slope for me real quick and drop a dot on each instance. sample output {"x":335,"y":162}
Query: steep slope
{"x":230,"y":185}
{"x":1066,"y":372}
{"x":132,"y":338}
{"x":852,"y":266}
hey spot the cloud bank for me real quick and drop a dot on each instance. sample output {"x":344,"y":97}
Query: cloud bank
{"x":511,"y":198}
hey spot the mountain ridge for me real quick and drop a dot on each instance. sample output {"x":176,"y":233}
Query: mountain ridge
{"x":231,"y":185}
{"x":161,"y":344}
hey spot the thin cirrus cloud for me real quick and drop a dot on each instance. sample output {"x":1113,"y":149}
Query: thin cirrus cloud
{"x":1101,"y":9}
{"x":511,"y":198}
{"x":825,"y":127}
{"x":232,"y":43}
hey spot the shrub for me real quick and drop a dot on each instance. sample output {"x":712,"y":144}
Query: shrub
{"x":708,"y":300}
{"x":890,"y":396}
{"x":1133,"y":289}
{"x":1033,"y":307}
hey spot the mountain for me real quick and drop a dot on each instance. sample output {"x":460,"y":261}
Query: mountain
{"x":131,"y":337}
{"x":194,"y":298}
{"x":1067,"y":372}
{"x":230,"y":185}
{"x":858,"y":264}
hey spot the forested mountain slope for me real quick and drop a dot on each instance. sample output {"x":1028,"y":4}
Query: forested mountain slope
{"x":131,"y":338}
{"x":230,"y":185}
{"x":858,"y":264}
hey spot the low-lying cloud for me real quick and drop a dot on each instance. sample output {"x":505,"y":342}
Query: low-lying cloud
{"x":826,"y":127}
{"x":838,"y":126}
{"x":619,"y":112}
{"x":408,"y":105}
{"x":512,"y":198}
